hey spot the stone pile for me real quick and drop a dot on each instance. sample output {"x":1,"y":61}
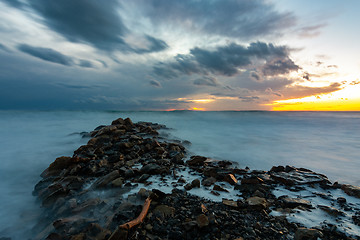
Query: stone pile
{"x":86,"y":196}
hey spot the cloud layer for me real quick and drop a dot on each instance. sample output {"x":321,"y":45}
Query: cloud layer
{"x":91,"y":22}
{"x":151,"y":54}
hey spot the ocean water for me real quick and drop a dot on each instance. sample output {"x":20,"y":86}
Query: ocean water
{"x":326,"y":142}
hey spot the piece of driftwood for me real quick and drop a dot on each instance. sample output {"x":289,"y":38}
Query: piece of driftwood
{"x":121,"y":233}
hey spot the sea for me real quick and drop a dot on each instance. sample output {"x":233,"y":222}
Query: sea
{"x":325,"y":142}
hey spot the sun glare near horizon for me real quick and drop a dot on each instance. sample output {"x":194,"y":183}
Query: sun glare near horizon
{"x":347,"y":99}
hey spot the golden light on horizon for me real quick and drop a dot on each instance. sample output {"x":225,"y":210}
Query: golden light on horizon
{"x":347,"y":99}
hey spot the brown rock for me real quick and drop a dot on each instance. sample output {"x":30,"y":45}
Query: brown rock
{"x":118,"y":121}
{"x":252,"y":180}
{"x":196,"y":161}
{"x":307,"y":234}
{"x":230,"y":179}
{"x":295,"y":202}
{"x":257,"y":202}
{"x":351,"y":190}
{"x":208,"y":181}
{"x":331,"y":210}
{"x":118,"y":182}
{"x":202,"y":220}
{"x":195,"y":183}
{"x":102,"y":182}
{"x":230,"y":203}
{"x":164,"y":211}
{"x":215,"y":193}
{"x":220,"y":189}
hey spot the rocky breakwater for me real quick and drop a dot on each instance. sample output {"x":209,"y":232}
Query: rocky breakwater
{"x":105,"y":183}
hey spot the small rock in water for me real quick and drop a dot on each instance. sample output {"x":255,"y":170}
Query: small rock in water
{"x":196,"y":161}
{"x":331,"y":210}
{"x":220,"y":189}
{"x":208,"y":181}
{"x":295,"y":202}
{"x":231,"y":179}
{"x":341,"y":200}
{"x":351,"y":190}
{"x":307,"y":234}
{"x":257,"y":202}
{"x":195,"y":183}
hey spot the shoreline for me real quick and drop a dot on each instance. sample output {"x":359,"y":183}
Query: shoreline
{"x":105,"y":182}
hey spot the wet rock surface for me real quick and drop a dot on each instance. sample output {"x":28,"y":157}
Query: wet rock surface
{"x":105,"y":183}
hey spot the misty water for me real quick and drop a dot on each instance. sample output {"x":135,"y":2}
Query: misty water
{"x":326,"y":142}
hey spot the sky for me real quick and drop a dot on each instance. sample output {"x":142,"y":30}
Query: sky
{"x":208,"y":55}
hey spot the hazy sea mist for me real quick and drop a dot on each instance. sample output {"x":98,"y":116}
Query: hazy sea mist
{"x":326,"y":142}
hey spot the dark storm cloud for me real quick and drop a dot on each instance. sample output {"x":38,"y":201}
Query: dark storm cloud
{"x":255,"y":76}
{"x":206,"y":81}
{"x":4,"y":48}
{"x":46,"y":54}
{"x":155,"y":45}
{"x":249,"y":98}
{"x":241,"y":19}
{"x":279,"y":66}
{"x":13,"y":3}
{"x":85,"y":63}
{"x":51,"y":55}
{"x":155,"y":83}
{"x":92,"y":22}
{"x":227,"y":60}
{"x":103,"y":63}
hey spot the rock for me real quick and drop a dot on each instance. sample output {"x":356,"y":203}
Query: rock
{"x":295,"y":202}
{"x":202,"y":220}
{"x":188,"y":186}
{"x":208,"y":181}
{"x":351,"y":190}
{"x":143,"y":193}
{"x":143,"y":178}
{"x":54,"y":236}
{"x":118,"y":121}
{"x":220,"y":189}
{"x":331,"y":210}
{"x":252,"y":180}
{"x":118,"y":182}
{"x":148,"y":227}
{"x":80,"y":236}
{"x":196,"y":161}
{"x":195,"y":183}
{"x":164,"y":211}
{"x":181,"y":180}
{"x":258,"y":193}
{"x":102,"y":182}
{"x":230,"y":179}
{"x":190,"y":225}
{"x":215,"y":193}
{"x":230,"y":203}
{"x":60,"y":164}
{"x":152,"y":169}
{"x":341,"y":200}
{"x":277,"y":169}
{"x":257,"y":202}
{"x":307,"y":234}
